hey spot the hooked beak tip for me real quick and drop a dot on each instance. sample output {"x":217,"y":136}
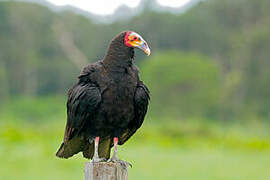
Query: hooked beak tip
{"x":147,"y":51}
{"x":144,"y":47}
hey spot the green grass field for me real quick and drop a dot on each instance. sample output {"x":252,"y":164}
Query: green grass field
{"x":27,"y":152}
{"x":161,"y":149}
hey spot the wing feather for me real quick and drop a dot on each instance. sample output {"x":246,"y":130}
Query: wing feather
{"x":83,"y":99}
{"x":141,"y":100}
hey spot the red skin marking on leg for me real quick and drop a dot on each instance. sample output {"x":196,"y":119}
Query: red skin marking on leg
{"x":97,"y":139}
{"x":115,"y":140}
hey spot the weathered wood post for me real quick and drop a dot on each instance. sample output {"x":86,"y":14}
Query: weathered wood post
{"x":105,"y":171}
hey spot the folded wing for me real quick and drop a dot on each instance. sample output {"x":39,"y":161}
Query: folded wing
{"x":141,"y":99}
{"x":83,"y":100}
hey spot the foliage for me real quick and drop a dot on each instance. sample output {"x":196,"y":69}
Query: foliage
{"x":42,"y":52}
{"x":182,"y":85}
{"x":33,"y":109}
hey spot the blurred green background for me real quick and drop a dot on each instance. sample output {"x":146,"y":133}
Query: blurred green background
{"x":208,"y":74}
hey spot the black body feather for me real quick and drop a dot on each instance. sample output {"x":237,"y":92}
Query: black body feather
{"x":109,"y":100}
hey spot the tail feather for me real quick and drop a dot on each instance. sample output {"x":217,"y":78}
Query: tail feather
{"x":76,"y":145}
{"x":104,"y":149}
{"x":73,"y":146}
{"x":60,"y":152}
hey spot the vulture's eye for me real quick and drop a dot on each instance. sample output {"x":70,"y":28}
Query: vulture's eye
{"x":135,"y":38}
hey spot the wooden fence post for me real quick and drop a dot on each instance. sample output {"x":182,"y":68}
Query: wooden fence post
{"x":105,"y":171}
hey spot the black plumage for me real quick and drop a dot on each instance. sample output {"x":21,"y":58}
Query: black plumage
{"x":108,"y":100}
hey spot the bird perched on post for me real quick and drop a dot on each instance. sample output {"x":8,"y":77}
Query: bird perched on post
{"x":107,"y":104}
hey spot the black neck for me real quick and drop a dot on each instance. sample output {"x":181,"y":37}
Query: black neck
{"x":118,"y":54}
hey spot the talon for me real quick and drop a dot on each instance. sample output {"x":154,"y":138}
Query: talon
{"x":129,"y":164}
{"x":115,"y":158}
{"x":124,"y":164}
{"x":96,"y":160}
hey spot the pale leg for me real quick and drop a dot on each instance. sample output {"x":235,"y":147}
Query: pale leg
{"x":96,"y":157}
{"x":115,"y":158}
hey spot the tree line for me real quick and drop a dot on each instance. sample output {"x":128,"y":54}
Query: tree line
{"x":42,"y":52}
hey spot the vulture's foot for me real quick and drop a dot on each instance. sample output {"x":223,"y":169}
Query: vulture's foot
{"x":124,"y":164}
{"x":96,"y":160}
{"x":115,"y":158}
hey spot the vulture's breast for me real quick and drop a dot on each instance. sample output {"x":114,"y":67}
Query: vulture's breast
{"x":118,"y":98}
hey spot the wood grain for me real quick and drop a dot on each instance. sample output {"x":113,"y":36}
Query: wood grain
{"x":105,"y":171}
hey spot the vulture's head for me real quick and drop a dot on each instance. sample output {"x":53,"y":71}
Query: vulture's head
{"x":122,"y":46}
{"x":134,"y":40}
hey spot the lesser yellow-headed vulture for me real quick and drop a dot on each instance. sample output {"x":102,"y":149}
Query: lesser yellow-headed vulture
{"x":108,"y":103}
